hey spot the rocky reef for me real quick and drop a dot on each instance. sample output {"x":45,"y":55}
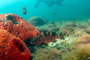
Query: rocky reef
{"x":79,"y":49}
{"x":73,"y":43}
{"x":12,"y":47}
{"x":37,"y":21}
{"x":14,"y":30}
{"x":63,"y":40}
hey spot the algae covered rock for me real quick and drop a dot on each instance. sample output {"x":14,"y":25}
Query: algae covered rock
{"x":80,"y":49}
{"x":14,"y":31}
{"x":67,"y":31}
{"x":70,"y":24}
{"x":87,"y":30}
{"x":22,"y":29}
{"x":44,"y":54}
{"x":37,"y":21}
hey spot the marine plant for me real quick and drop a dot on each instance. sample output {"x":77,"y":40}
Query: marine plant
{"x":45,"y":54}
{"x":67,"y":30}
{"x":80,"y":49}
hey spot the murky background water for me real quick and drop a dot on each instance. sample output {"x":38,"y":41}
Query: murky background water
{"x":69,"y":9}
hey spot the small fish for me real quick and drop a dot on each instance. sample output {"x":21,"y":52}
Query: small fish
{"x":24,"y":10}
{"x":45,"y":38}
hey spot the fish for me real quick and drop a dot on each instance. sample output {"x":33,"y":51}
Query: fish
{"x":24,"y":10}
{"x":45,"y":37}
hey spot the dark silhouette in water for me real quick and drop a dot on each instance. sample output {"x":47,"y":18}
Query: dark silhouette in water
{"x":24,"y":10}
{"x":49,"y":2}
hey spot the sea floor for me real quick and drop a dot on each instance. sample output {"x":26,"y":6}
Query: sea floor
{"x":75,"y":44}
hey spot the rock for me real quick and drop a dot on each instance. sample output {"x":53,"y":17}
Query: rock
{"x":37,"y":21}
{"x":67,"y":31}
{"x":87,"y":30}
{"x":12,"y":47}
{"x":14,"y":31}
{"x":18,"y":27}
{"x":70,"y":24}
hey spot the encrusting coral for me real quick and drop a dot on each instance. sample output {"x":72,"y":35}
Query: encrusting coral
{"x":12,"y":47}
{"x":22,"y":29}
{"x":14,"y":30}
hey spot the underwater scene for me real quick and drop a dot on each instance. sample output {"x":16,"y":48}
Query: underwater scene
{"x":44,"y":29}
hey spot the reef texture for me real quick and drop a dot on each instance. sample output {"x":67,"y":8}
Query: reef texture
{"x":37,"y":21}
{"x":18,"y":26}
{"x":14,"y":30}
{"x":12,"y":48}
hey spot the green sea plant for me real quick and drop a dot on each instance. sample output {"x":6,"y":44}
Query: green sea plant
{"x":80,"y":49}
{"x":80,"y":52}
{"x":66,"y":31}
{"x":45,"y":54}
{"x":70,"y":24}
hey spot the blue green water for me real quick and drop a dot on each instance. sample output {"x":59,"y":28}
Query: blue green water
{"x":71,"y":9}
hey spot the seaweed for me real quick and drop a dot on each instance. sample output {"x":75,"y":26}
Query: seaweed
{"x":45,"y":54}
